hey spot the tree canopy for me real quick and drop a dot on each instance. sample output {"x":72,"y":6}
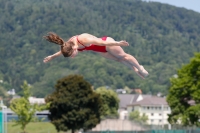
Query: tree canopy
{"x":110,"y":102}
{"x":74,"y":105}
{"x":184,"y":94}
{"x":161,"y":37}
{"x":135,"y":116}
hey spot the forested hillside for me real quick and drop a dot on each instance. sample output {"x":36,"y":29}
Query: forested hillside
{"x":161,"y":37}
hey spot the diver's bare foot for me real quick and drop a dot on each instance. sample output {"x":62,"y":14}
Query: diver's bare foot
{"x":144,"y":73}
{"x":138,"y":73}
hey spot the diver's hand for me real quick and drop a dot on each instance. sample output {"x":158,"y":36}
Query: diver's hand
{"x":123,"y":43}
{"x":47,"y":59}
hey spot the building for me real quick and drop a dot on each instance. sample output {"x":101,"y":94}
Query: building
{"x":121,"y":91}
{"x":156,"y":108}
{"x":10,"y":115}
{"x":11,"y":92}
{"x":2,"y":106}
{"x":127,"y":99}
{"x":136,"y":91}
{"x":34,"y":100}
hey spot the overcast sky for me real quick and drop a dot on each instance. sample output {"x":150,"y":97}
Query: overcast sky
{"x":188,"y":4}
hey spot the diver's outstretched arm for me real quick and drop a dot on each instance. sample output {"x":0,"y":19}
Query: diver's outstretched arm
{"x":50,"y":57}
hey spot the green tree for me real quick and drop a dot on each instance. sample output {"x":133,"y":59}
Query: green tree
{"x":135,"y":116}
{"x":110,"y":101}
{"x":127,"y":89}
{"x":184,"y":89}
{"x":24,"y":109}
{"x":3,"y":92}
{"x":74,"y":105}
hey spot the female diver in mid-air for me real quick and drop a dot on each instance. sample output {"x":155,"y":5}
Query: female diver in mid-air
{"x":106,"y":46}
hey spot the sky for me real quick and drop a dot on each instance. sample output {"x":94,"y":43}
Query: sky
{"x":188,"y":4}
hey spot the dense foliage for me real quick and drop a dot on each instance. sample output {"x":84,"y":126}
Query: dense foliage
{"x":184,"y":94}
{"x":74,"y":105}
{"x":110,"y":101}
{"x":135,"y":116}
{"x":161,"y":37}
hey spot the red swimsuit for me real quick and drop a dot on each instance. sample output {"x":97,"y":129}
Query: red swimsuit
{"x":94,"y":47}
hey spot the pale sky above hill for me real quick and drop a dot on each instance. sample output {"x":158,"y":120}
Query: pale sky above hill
{"x":188,"y":4}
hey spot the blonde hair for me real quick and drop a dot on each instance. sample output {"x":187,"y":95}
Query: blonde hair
{"x":66,"y":47}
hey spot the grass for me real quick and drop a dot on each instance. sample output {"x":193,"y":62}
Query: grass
{"x":33,"y":127}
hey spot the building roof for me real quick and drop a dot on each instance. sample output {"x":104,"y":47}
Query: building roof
{"x":137,"y":91}
{"x":134,"y":99}
{"x":138,"y":99}
{"x":125,"y":99}
{"x":146,"y":96}
{"x":153,"y":100}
